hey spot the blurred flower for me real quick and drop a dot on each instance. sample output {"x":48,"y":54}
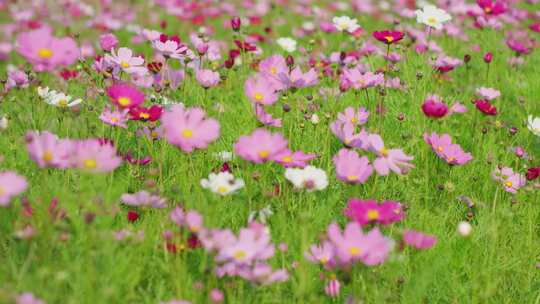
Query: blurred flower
{"x":418,"y":239}
{"x":260,"y":146}
{"x":352,"y":168}
{"x":345,"y":24}
{"x":143,"y":199}
{"x":464,"y":228}
{"x":309,"y":178}
{"x":286,"y":43}
{"x":11,"y":185}
{"x":222,"y":183}
{"x":432,"y":16}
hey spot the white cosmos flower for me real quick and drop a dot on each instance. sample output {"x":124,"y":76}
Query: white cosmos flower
{"x":309,"y":178}
{"x":345,"y":24}
{"x":287,"y":43}
{"x":533,"y":123}
{"x":432,"y":16}
{"x":222,"y":183}
{"x":61,"y":100}
{"x":45,"y":92}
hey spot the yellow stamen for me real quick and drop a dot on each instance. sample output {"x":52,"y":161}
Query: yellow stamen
{"x":432,"y":20}
{"x":258,"y":97}
{"x":144,"y":115}
{"x":372,"y":215}
{"x":124,"y":64}
{"x":62,"y":103}
{"x":90,"y":163}
{"x":187,"y":133}
{"x":389,"y":38}
{"x":440,"y":148}
{"x":45,"y":53}
{"x":222,"y":189}
{"x":124,"y":101}
{"x":273,"y":71}
{"x":47,"y":156}
{"x":384,"y":152}
{"x":287,"y":159}
{"x":509,"y":184}
{"x":354,"y":250}
{"x":352,"y":178}
{"x":264,"y":154}
{"x":240,"y":254}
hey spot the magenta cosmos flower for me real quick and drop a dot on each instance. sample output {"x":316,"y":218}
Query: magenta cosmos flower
{"x":352,"y":168}
{"x":189,"y":129}
{"x":260,"y":146}
{"x":388,"y":159}
{"x":125,"y":95}
{"x":442,"y":145}
{"x":207,"y":78}
{"x":259,"y":90}
{"x":354,"y":245}
{"x":418,"y":239}
{"x":510,"y":180}
{"x":388,"y":37}
{"x":44,"y":51}
{"x":434,"y":107}
{"x":369,"y":211}
{"x":486,"y":107}
{"x":492,"y":7}
{"x":11,"y":185}
{"x":95,"y":156}
{"x":47,"y":150}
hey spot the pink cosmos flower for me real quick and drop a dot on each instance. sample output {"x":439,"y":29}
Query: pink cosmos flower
{"x":487,"y":93}
{"x":189,"y":129}
{"x":445,"y":64}
{"x":260,"y":90}
{"x":442,"y":145}
{"x":289,"y":159}
{"x":116,"y":118}
{"x":46,"y":150}
{"x":44,"y":51}
{"x":108,"y":41}
{"x":170,"y":48}
{"x":250,"y":245}
{"x":434,"y":107}
{"x":144,"y":199}
{"x":352,"y":168}
{"x":11,"y":185}
{"x":260,"y":146}
{"x":95,"y":156}
{"x":266,"y":118}
{"x":388,"y":159}
{"x":125,"y":61}
{"x":125,"y":95}
{"x":346,"y":133}
{"x":273,"y":65}
{"x":356,"y":79}
{"x":353,"y":245}
{"x":297,"y":79}
{"x":191,"y":219}
{"x":323,"y":254}
{"x":354,"y":116}
{"x":369,"y":211}
{"x":28,"y":298}
{"x":332,"y":289}
{"x":418,"y":239}
{"x":207,"y":78}
{"x":510,"y":180}
{"x":16,"y":78}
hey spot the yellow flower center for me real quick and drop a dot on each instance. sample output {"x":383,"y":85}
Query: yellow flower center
{"x":47,"y":156}
{"x":45,"y":53}
{"x":352,"y":178}
{"x":62,"y":103}
{"x":154,"y":134}
{"x":323,"y":260}
{"x":194,"y":228}
{"x":389,"y":38}
{"x":144,"y":115}
{"x":258,"y":97}
{"x":384,"y":152}
{"x":124,"y":101}
{"x":487,"y":9}
{"x":354,"y":120}
{"x":239,"y":254}
{"x":2,"y":191}
{"x":354,"y":250}
{"x":372,"y":215}
{"x":432,"y":20}
{"x":451,"y":159}
{"x":287,"y":159}
{"x":187,"y":133}
{"x":90,"y":163}
{"x":440,"y":148}
{"x":264,"y":154}
{"x":114,"y":119}
{"x":124,"y":64}
{"x":508,"y":184}
{"x":222,"y":189}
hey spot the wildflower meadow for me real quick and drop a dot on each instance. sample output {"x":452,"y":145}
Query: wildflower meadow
{"x":269,"y":151}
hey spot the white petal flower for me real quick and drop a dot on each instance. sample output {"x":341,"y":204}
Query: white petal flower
{"x":345,"y":24}
{"x":309,"y":178}
{"x":533,"y":123}
{"x":287,"y":43}
{"x":432,"y":16}
{"x":222,"y":183}
{"x":61,"y":100}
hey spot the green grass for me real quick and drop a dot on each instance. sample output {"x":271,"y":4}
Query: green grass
{"x":496,"y":264}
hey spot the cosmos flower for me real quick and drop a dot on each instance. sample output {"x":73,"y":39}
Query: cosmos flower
{"x":125,"y":61}
{"x":125,"y":95}
{"x":95,"y":156}
{"x":289,"y":159}
{"x":273,"y":65}
{"x":47,"y":150}
{"x":434,"y":107}
{"x":116,"y":118}
{"x":266,"y":118}
{"x":108,"y":41}
{"x":388,"y":37}
{"x":365,"y":212}
{"x":444,"y":64}
{"x":297,"y":79}
{"x":352,"y":168}
{"x":432,"y":16}
{"x":442,"y":145}
{"x":152,"y":113}
{"x":207,"y":78}
{"x":510,"y":180}
{"x":309,"y":178}
{"x":170,"y":47}
{"x":189,"y":129}
{"x":287,"y":44}
{"x":61,"y":100}
{"x":322,"y":254}
{"x":222,"y":183}
{"x":143,"y":199}
{"x":486,"y":107}
{"x":492,"y":7}
{"x":260,"y":91}
{"x":533,"y":124}
{"x":487,"y":93}
{"x":353,"y":116}
{"x":28,"y":298}
{"x":44,"y":51}
{"x":260,"y":146}
{"x":345,"y":24}
{"x":418,"y":239}
{"x":346,"y":133}
{"x":356,"y":79}
{"x":11,"y":185}
{"x":388,"y":159}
